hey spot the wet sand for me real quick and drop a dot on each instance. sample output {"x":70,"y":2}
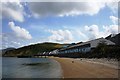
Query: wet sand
{"x":73,"y":68}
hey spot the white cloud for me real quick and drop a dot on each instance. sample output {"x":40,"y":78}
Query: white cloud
{"x":94,"y":31}
{"x":113,"y":5}
{"x":20,"y":32}
{"x":12,"y":10}
{"x":15,"y":10}
{"x":79,"y":34}
{"x":65,"y":9}
{"x":61,"y":36}
{"x":114,"y":19}
{"x":18,"y":43}
{"x":9,"y":40}
{"x":112,"y":29}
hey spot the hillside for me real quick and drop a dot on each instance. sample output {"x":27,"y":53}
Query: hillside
{"x":33,"y":49}
{"x":7,"y":49}
{"x":114,"y":38}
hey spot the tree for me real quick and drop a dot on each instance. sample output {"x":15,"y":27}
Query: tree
{"x":100,"y":50}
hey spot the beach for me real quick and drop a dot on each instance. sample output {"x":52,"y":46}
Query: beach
{"x":83,"y":68}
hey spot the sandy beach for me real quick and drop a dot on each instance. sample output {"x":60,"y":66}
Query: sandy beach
{"x":77,"y":68}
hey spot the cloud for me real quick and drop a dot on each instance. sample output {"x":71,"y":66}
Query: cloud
{"x":15,"y":10}
{"x":9,"y":40}
{"x":114,"y":19}
{"x":112,"y":29}
{"x":113,"y":5}
{"x":12,"y":10}
{"x":60,"y":36}
{"x":94,"y":31}
{"x":79,"y":34}
{"x":20,"y":32}
{"x":64,"y":8}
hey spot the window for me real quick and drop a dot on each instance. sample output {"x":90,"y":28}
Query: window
{"x":79,"y":50}
{"x":83,"y":49}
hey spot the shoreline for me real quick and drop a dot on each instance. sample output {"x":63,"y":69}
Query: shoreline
{"x":77,"y":68}
{"x":102,"y":61}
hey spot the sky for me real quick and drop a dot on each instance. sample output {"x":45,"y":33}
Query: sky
{"x":26,"y":23}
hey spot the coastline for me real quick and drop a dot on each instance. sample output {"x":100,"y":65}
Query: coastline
{"x":77,"y":68}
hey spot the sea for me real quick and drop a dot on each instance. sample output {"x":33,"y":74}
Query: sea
{"x":30,"y":68}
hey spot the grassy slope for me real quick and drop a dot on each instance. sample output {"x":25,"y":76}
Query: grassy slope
{"x":34,"y":49}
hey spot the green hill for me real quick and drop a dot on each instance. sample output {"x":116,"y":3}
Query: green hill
{"x":7,"y":49}
{"x":34,"y":49}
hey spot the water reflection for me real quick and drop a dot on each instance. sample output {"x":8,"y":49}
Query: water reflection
{"x":30,"y":68}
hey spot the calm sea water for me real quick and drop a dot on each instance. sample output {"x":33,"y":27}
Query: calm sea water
{"x":23,"y":68}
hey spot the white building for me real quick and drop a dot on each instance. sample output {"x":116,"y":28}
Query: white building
{"x":85,"y":46}
{"x":54,"y":51}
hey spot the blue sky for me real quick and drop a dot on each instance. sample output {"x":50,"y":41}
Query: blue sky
{"x":36,"y":22}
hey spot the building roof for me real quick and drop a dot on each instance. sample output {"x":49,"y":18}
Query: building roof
{"x":93,"y":43}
